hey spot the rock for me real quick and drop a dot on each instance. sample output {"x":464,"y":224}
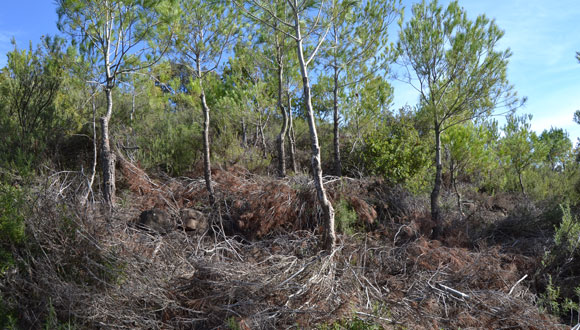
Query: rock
{"x":155,"y":220}
{"x":193,"y":220}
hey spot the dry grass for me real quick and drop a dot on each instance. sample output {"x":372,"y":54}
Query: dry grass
{"x":98,"y":272}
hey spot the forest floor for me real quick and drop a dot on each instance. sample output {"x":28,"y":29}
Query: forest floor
{"x":260,"y":266}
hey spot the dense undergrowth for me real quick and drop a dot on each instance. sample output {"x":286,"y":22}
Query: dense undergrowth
{"x":502,"y":202}
{"x":507,"y":262}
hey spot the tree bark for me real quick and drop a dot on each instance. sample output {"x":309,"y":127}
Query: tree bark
{"x":452,"y":169}
{"x":244,"y":133}
{"x":108,"y":158}
{"x":435,"y":210}
{"x":284,"y":128}
{"x":521,"y":183}
{"x":206,"y":150}
{"x":95,"y":154}
{"x":264,"y":146}
{"x":91,"y":180}
{"x":337,"y":160}
{"x":291,"y":133}
{"x":280,"y":139}
{"x":329,"y":237}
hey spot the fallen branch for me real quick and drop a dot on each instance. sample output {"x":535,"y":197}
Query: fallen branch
{"x":453,"y":292}
{"x":518,"y":282}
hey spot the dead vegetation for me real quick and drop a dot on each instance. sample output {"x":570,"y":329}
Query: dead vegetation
{"x":259,"y":267}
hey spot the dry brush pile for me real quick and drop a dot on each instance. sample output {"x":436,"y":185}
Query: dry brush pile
{"x":93,"y":269}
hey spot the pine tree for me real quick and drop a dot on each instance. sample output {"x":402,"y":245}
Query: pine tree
{"x":206,"y":30}
{"x":117,"y":33}
{"x":457,"y":70}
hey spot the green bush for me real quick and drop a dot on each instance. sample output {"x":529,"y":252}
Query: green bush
{"x":345,"y":218}
{"x":12,"y":205}
{"x":549,"y":300}
{"x":561,"y":297}
{"x":169,"y":144}
{"x":397,"y":153}
{"x":543,"y":183}
{"x":567,"y":235}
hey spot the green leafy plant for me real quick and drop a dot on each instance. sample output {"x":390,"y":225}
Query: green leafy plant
{"x":12,"y":206}
{"x":7,"y":319}
{"x":561,"y":260}
{"x":11,"y":222}
{"x":354,"y":323}
{"x":548,"y":300}
{"x":570,"y":306}
{"x":345,"y":217}
{"x":397,"y":152}
{"x":567,"y":235}
{"x":232,"y":324}
{"x":52,"y":322}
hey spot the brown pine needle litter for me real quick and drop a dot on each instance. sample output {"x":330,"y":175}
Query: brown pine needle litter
{"x":260,"y":266}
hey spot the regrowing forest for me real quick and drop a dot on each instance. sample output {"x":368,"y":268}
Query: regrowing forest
{"x":195,"y":164}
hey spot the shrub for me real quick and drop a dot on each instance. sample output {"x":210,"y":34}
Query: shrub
{"x":345,"y":218}
{"x":11,"y":223}
{"x":172,"y":146}
{"x":11,"y":234}
{"x":567,"y":235}
{"x":351,"y":324}
{"x":548,"y":301}
{"x":397,"y":153}
{"x":561,"y":264}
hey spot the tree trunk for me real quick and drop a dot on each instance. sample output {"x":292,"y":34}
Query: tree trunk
{"x":291,"y":134}
{"x":206,"y":150}
{"x":262,"y":139}
{"x":329,"y":237}
{"x":91,"y":180}
{"x":108,"y":158}
{"x":435,"y":210}
{"x":244,"y":134}
{"x":337,"y":161}
{"x":257,"y":134}
{"x":454,"y":184}
{"x":132,"y":107}
{"x":284,"y":128}
{"x":521,"y":183}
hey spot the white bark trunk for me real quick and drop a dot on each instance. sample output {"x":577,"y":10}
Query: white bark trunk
{"x":435,"y":210}
{"x":291,"y":134}
{"x":337,"y":160}
{"x":206,"y":147}
{"x":284,"y":128}
{"x":329,"y":239}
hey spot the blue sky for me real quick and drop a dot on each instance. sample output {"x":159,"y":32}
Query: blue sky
{"x":25,"y":20}
{"x":543,"y":36}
